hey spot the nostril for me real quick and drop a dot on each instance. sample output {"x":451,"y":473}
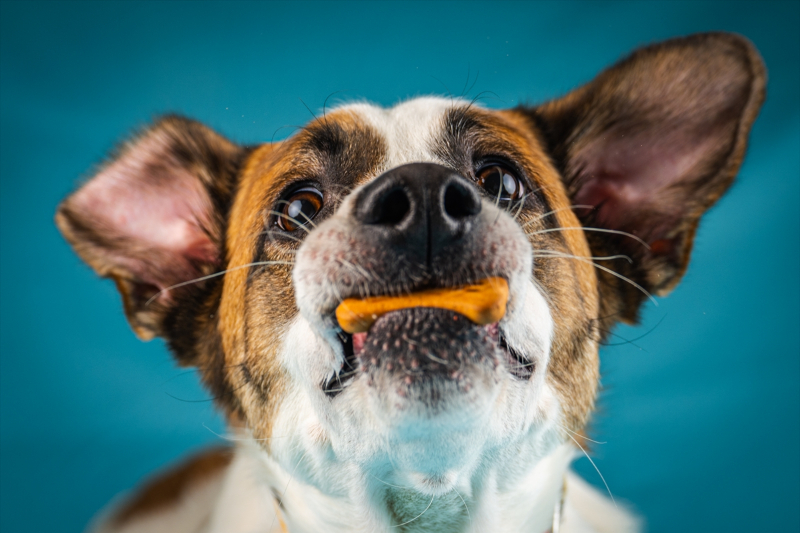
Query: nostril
{"x":391,"y":208}
{"x":461,"y":202}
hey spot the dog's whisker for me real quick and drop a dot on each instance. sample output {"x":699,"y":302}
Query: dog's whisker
{"x":584,"y":437}
{"x":521,"y":205}
{"x":435,"y":359}
{"x":283,"y":236}
{"x":606,"y":269}
{"x":189,"y":401}
{"x":244,"y":439}
{"x":308,"y":219}
{"x":554,"y":211}
{"x":419,"y":515}
{"x":633,"y":341}
{"x":522,"y":366}
{"x":214,"y":275}
{"x":466,"y":507}
{"x":597,"y":230}
{"x":556,"y":254}
{"x":286,"y":488}
{"x":596,"y":469}
{"x":301,"y":225}
{"x":499,"y":194}
{"x":356,"y":268}
{"x":387,"y":483}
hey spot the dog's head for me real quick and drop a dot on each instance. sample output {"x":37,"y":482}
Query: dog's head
{"x":585,"y":206}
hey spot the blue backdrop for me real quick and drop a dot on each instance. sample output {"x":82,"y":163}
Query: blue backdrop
{"x":700,"y":416}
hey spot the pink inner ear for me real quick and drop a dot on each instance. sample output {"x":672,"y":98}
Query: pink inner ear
{"x":624,"y":174}
{"x":156,"y":213}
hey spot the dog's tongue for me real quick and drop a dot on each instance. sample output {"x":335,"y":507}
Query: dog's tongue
{"x":482,"y":303}
{"x":358,"y":341}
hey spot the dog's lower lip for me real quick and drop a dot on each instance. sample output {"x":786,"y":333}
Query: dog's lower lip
{"x":360,"y":339}
{"x":338,"y":381}
{"x":517,"y":365}
{"x":353,"y":346}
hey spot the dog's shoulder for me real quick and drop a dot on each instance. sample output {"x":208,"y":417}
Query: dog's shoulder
{"x":178,"y":500}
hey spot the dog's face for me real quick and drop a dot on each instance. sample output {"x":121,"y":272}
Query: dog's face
{"x":584,"y":206}
{"x":443,"y":194}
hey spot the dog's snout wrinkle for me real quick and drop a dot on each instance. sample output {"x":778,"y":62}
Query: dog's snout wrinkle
{"x":422,"y":208}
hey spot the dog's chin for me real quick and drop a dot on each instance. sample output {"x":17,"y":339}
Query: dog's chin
{"x":421,"y":391}
{"x":428,"y":379}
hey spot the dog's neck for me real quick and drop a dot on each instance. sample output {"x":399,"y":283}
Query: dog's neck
{"x":261,"y":495}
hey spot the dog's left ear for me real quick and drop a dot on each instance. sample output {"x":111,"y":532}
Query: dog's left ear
{"x":154,"y":217}
{"x":651,"y":144}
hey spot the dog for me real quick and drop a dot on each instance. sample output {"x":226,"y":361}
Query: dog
{"x":424,"y":415}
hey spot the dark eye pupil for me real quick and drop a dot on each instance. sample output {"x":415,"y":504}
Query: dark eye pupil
{"x":500,"y":183}
{"x":298,"y":208}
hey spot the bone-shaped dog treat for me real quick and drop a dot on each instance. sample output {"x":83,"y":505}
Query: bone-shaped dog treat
{"x":483,"y":303}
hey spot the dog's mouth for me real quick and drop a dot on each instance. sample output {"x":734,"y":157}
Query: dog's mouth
{"x":416,"y":345}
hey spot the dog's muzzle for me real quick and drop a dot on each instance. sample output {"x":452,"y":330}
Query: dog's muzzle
{"x":418,"y":227}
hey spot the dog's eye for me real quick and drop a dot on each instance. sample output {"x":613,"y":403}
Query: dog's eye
{"x":500,"y":183}
{"x":298,"y":208}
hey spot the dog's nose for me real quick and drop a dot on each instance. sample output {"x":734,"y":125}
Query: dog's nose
{"x":423,"y":207}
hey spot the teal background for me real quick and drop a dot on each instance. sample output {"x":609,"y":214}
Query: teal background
{"x":700,"y":415}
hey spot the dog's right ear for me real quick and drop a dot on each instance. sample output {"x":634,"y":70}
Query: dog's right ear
{"x":650,"y":144}
{"x":154,"y":216}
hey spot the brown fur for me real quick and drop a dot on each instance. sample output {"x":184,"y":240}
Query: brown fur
{"x":168,"y":488}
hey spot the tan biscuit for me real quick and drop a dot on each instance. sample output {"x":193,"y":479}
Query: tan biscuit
{"x":483,"y":303}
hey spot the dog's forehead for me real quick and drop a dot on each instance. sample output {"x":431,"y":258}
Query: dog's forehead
{"x":409,"y":130}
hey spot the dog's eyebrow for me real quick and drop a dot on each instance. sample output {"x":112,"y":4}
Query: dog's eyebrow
{"x":347,"y":148}
{"x":468,"y":131}
{"x":326,"y":136}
